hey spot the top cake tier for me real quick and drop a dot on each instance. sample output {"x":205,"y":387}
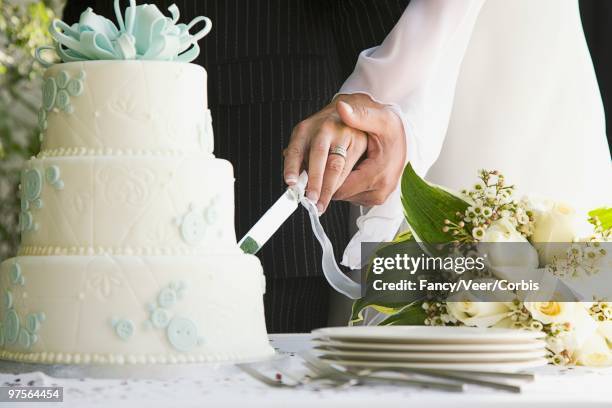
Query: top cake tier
{"x":125,"y":107}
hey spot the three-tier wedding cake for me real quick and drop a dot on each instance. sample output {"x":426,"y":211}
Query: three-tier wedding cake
{"x":128,"y":250}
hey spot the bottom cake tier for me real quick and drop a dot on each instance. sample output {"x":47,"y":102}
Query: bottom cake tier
{"x":107,"y":309}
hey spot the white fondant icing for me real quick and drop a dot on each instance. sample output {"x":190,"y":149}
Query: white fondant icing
{"x":116,"y":202}
{"x":133,"y":156}
{"x":132,"y":105}
{"x":222,"y":297}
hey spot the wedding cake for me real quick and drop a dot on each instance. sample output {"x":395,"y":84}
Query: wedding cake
{"x":128,"y":251}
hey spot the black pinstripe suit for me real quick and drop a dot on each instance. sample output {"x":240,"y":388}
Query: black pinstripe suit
{"x":272,"y":63}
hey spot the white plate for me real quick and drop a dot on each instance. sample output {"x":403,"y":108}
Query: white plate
{"x":361,"y":345}
{"x":503,"y":367}
{"x":417,"y":356}
{"x":428,"y":334}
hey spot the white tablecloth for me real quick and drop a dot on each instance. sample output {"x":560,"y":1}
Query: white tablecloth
{"x":226,"y":386}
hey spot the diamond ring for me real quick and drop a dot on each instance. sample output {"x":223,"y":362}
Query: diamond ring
{"x":339,"y":150}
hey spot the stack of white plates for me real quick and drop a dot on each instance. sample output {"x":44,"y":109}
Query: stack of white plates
{"x":426,"y":347}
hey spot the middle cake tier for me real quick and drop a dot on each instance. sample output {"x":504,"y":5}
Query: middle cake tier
{"x":127,"y":205}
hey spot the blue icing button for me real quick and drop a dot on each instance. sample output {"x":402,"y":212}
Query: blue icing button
{"x":25,"y":340}
{"x":193,"y":227}
{"x":32,"y":184}
{"x":11,"y":326}
{"x":38,"y":203}
{"x":42,"y":119}
{"x":75,"y":87}
{"x":124,"y":328}
{"x":49,"y":92}
{"x":211,"y":214}
{"x":160,"y":318}
{"x":15,"y":272}
{"x":63,"y":100}
{"x":52,"y":174}
{"x":32,"y":322}
{"x":8,"y":299}
{"x":182,"y":334}
{"x":25,"y":204}
{"x":62,"y":79}
{"x":26,"y":222}
{"x":166,"y":298}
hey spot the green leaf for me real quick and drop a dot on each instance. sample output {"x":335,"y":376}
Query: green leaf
{"x":383,"y":301}
{"x":427,"y":206}
{"x":410,"y":315}
{"x":604,"y":215}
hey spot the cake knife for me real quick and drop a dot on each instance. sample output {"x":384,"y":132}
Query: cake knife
{"x":276,"y":215}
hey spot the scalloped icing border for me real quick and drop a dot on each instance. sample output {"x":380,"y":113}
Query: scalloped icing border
{"x":46,"y":357}
{"x":107,"y":151}
{"x":29,"y":250}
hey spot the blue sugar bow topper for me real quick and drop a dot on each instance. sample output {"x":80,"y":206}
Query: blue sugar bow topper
{"x":145,"y":33}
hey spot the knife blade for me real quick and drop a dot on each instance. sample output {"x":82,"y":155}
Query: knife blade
{"x":276,"y":215}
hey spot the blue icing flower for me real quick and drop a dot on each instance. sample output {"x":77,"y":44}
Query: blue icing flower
{"x":57,"y":92}
{"x":182,"y":334}
{"x":49,"y":93}
{"x":11,"y":326}
{"x":123,"y":328}
{"x":32,"y":184}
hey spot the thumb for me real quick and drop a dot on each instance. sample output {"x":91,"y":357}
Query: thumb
{"x":369,"y":120}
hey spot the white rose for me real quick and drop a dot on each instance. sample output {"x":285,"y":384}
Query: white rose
{"x":594,"y":352}
{"x":551,"y":312}
{"x":508,"y":260}
{"x":581,"y":325}
{"x":478,"y":314}
{"x":605,"y":329}
{"x":554,"y":222}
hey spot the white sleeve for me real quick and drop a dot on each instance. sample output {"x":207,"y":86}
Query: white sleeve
{"x":414,"y":71}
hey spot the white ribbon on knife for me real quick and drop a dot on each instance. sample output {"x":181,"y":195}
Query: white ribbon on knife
{"x":280,"y":211}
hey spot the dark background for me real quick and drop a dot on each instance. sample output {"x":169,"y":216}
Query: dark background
{"x":597,"y":22}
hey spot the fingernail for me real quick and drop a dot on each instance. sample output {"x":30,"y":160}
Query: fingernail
{"x":312,"y":196}
{"x":291,"y":179}
{"x":320,"y":208}
{"x":347,"y":106}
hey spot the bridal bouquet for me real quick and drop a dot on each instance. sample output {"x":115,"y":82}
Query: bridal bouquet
{"x":490,"y":212}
